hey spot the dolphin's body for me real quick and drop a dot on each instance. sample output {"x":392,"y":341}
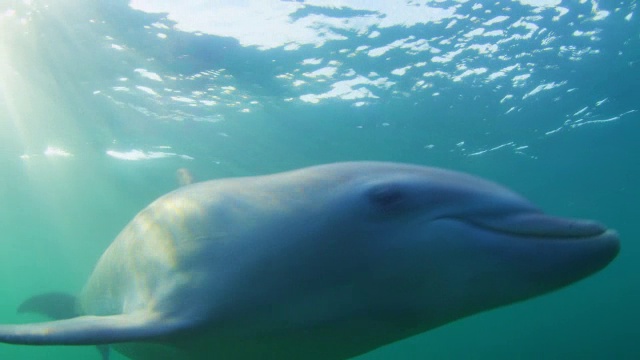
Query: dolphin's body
{"x":326,"y":262}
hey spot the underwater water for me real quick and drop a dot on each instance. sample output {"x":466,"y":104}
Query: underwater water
{"x":104,"y":104}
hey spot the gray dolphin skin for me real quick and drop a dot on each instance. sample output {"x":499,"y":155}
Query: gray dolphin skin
{"x":327,"y":262}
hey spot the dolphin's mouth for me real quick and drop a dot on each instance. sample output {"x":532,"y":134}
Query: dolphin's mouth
{"x":540,"y":225}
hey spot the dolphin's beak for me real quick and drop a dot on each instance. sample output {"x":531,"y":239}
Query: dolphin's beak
{"x":550,"y":251}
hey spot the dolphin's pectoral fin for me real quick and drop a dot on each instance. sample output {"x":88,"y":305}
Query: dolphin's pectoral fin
{"x":55,"y":305}
{"x":89,"y":330}
{"x":104,"y":351}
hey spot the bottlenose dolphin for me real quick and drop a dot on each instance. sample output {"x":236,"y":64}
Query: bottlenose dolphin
{"x":326,"y":262}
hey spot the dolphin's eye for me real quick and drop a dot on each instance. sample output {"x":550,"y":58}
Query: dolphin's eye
{"x":386,"y":196}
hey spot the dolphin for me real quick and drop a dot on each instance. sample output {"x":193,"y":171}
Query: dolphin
{"x":326,"y":262}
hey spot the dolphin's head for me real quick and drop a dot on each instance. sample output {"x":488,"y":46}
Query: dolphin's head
{"x":442,"y":245}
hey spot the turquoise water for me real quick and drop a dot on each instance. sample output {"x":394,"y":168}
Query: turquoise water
{"x":102,"y":102}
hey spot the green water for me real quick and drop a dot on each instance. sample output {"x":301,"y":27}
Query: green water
{"x":59,"y":209}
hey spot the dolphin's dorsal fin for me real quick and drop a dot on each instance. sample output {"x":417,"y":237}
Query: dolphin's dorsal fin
{"x":184,"y":177}
{"x":89,"y":330}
